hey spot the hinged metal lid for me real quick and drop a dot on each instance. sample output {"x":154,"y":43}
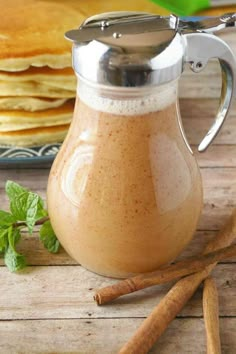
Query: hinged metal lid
{"x":117,"y":24}
{"x":132,"y":49}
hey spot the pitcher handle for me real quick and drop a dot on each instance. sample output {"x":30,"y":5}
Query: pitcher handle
{"x":200,"y":47}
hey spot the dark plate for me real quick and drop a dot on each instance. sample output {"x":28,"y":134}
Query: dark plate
{"x":38,"y":156}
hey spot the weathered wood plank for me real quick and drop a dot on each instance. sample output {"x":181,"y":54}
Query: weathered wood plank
{"x":67,"y":292}
{"x":200,"y":85}
{"x":195,"y":131}
{"x":198,"y":115}
{"x":219,"y":190}
{"x":106,"y":336}
{"x":202,"y":108}
{"x":219,"y":186}
{"x":36,"y":254}
{"x":31,"y":178}
{"x":217,"y":156}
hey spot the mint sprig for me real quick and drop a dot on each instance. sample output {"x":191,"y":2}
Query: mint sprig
{"x":48,"y":237}
{"x":26,"y":211}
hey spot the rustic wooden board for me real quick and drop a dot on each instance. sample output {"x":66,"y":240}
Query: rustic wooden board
{"x":67,"y":292}
{"x":196,"y":130}
{"x":219,"y":191}
{"x":99,"y":336}
{"x":217,"y":156}
{"x":48,"y":308}
{"x":36,"y":254}
{"x":193,"y":85}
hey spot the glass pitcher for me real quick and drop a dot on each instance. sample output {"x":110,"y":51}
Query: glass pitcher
{"x":125,"y":191}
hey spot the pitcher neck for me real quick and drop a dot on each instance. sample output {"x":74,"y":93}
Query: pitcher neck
{"x":127,"y":101}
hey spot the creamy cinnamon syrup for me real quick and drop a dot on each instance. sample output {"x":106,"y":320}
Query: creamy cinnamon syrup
{"x":128,"y":186}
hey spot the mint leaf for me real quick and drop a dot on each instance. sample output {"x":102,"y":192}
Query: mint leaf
{"x":27,"y":207}
{"x":18,"y":206}
{"x":13,"y":237}
{"x":31,"y":210}
{"x":41,"y":212}
{"x":34,"y":210}
{"x":48,"y":237}
{"x":13,"y":260}
{"x":6,"y":219}
{"x":14,"y":190}
{"x":3,"y":239}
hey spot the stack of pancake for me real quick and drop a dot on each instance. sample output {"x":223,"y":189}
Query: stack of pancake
{"x":37,"y":84}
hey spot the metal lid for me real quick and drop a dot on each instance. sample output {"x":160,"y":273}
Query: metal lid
{"x":132,"y":49}
{"x":127,"y":49}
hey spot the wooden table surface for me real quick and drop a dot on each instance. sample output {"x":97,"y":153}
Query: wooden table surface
{"x":49,"y":308}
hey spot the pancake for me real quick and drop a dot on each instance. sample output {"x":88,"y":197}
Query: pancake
{"x":69,"y":85}
{"x":34,"y":137}
{"x":38,"y":74}
{"x":33,"y":88}
{"x":32,"y":34}
{"x":30,"y":104}
{"x":20,"y":120}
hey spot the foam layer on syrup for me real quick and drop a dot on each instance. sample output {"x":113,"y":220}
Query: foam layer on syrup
{"x":152,"y":100}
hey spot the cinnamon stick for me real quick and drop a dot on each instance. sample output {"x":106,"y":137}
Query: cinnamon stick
{"x":211,"y":316}
{"x":163,"y":275}
{"x":168,"y":308}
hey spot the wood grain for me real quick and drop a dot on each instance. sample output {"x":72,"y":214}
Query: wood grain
{"x":36,"y":254}
{"x":48,"y":308}
{"x":96,"y":336}
{"x":217,"y":156}
{"x":219,"y":192}
{"x":200,"y":85}
{"x":67,"y":292}
{"x":196,"y":131}
{"x":202,"y":108}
